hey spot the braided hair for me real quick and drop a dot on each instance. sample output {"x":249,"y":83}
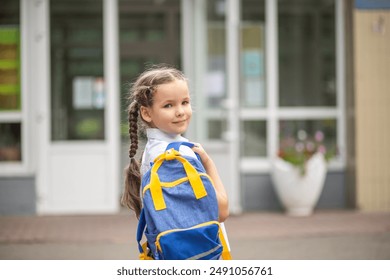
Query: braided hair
{"x":141,"y":95}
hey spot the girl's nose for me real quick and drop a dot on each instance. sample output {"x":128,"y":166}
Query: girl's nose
{"x":179,"y":112}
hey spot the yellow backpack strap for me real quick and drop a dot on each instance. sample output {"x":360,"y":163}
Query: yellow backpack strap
{"x":225,"y":251}
{"x":144,"y":255}
{"x":194,"y":178}
{"x":155,"y":184}
{"x":155,"y":187}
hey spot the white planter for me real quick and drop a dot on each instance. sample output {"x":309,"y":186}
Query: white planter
{"x":299,"y":194}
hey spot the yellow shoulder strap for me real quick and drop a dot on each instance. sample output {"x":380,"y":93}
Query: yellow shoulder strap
{"x":155,"y":184}
{"x":225,"y":251}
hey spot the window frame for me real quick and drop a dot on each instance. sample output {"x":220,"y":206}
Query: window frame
{"x":272,"y":113}
{"x":23,"y":167}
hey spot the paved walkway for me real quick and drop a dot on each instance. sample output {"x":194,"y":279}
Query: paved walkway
{"x":261,"y":235}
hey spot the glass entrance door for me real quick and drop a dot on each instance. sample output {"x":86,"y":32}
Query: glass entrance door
{"x":78,"y":123}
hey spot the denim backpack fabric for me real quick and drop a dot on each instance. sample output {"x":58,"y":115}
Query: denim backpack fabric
{"x":180,"y":211}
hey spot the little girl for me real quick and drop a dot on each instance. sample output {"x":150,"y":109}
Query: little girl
{"x":160,"y":98}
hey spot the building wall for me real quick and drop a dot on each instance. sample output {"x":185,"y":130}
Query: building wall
{"x":258,"y":193}
{"x":372,"y":97}
{"x":17,"y":196}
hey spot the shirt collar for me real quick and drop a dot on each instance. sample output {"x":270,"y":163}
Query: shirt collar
{"x":155,"y":133}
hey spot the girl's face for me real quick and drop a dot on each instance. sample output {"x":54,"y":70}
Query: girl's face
{"x":171,"y":110}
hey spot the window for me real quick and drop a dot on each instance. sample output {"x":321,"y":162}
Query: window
{"x":252,"y":55}
{"x":215,"y":72}
{"x":307,"y":53}
{"x":301,"y":93}
{"x":253,"y":138}
{"x":308,"y":97}
{"x":78,"y":91}
{"x":285,"y":75}
{"x":328,"y":127}
{"x":253,"y":97}
{"x":11,"y":122}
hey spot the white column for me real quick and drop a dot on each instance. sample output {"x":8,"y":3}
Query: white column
{"x":112,"y":109}
{"x":200,"y":65}
{"x":233,"y":89}
{"x":272,"y":75}
{"x":36,"y":83}
{"x":188,"y":53}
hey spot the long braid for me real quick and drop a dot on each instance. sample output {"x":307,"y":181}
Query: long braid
{"x":133,"y":129}
{"x":131,"y":195}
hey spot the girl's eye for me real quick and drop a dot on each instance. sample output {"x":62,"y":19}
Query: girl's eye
{"x":168,"y":106}
{"x":186,"y":102}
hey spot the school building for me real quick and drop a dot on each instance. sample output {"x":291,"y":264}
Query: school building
{"x":258,"y":71}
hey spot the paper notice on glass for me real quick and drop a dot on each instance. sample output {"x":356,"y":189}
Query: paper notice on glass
{"x":83,"y":92}
{"x":215,"y":83}
{"x":253,"y":63}
{"x":254,"y":92}
{"x":99,"y":98}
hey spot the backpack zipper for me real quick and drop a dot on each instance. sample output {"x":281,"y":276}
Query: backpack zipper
{"x":183,"y":229}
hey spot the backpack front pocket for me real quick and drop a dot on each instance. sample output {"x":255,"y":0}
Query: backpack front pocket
{"x":200,"y":242}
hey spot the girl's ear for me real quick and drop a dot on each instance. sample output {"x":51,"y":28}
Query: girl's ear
{"x":145,"y":114}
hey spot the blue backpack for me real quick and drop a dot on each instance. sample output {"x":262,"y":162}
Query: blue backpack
{"x":180,"y":211}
